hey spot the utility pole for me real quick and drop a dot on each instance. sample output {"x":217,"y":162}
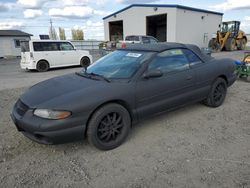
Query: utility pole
{"x":52,"y":31}
{"x":51,"y":23}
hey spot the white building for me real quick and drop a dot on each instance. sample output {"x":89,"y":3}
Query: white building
{"x":10,"y":42}
{"x":171,"y":23}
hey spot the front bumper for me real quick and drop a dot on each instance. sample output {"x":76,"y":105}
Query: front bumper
{"x":47,"y":131}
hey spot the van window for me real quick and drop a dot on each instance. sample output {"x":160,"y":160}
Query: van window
{"x":65,"y":46}
{"x":25,"y":46}
{"x":46,"y":46}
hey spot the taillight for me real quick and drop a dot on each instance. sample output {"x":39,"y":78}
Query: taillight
{"x":31,"y":55}
{"x":124,"y":45}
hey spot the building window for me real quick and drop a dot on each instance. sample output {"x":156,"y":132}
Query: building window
{"x":17,"y":43}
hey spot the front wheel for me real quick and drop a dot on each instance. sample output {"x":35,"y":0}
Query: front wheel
{"x":217,"y":93}
{"x":109,"y":127}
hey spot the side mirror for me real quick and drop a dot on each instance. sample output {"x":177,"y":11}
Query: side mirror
{"x":152,"y":74}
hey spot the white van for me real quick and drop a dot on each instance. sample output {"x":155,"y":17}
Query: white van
{"x":44,"y":54}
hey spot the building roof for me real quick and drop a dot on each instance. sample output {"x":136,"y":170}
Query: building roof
{"x":14,"y":33}
{"x":164,"y":6}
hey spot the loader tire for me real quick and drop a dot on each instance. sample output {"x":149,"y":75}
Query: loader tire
{"x":230,"y":44}
{"x":242,"y":44}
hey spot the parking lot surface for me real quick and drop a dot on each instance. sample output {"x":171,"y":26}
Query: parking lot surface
{"x":195,"y":146}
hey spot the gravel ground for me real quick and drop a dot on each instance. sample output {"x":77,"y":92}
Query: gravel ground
{"x":195,"y":146}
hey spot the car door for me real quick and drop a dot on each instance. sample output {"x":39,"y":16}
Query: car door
{"x":69,"y":54}
{"x":172,"y":89}
{"x":202,"y":73}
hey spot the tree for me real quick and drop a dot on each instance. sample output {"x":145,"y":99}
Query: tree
{"x":77,"y":34}
{"x":62,"y":34}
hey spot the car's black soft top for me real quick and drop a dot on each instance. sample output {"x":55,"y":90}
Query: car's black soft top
{"x":160,"y":47}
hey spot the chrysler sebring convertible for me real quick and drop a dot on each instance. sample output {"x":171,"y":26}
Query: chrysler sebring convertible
{"x":103,"y":101}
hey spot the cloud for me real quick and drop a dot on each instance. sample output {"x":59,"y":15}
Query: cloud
{"x":76,"y":12}
{"x":75,"y":2}
{"x":32,"y":13}
{"x":101,"y":13}
{"x":135,"y":1}
{"x":11,"y":25}
{"x":6,"y":6}
{"x":3,"y":8}
{"x":72,"y":12}
{"x":232,"y":5}
{"x":245,"y":24}
{"x":33,"y":4}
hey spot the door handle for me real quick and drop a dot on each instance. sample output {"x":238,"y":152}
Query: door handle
{"x":189,"y":77}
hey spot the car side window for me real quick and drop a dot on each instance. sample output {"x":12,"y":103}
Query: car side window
{"x":170,"y":61}
{"x":192,"y":57}
{"x":145,"y":40}
{"x":65,"y":46}
{"x":153,"y":41}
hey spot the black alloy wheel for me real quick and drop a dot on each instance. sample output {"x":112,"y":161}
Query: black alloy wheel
{"x":109,"y":126}
{"x":217,"y":93}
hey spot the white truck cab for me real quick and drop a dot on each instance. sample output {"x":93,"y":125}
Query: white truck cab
{"x":44,"y":54}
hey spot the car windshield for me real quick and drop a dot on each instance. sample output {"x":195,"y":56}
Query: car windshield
{"x":120,"y":64}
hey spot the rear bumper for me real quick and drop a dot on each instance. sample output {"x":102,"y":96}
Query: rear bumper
{"x":232,"y":79}
{"x":46,"y":131}
{"x":28,"y":65}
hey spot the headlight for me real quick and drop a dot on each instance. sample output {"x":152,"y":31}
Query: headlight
{"x":51,"y":114}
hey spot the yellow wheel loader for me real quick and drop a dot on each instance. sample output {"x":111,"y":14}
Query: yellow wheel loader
{"x":229,"y":37}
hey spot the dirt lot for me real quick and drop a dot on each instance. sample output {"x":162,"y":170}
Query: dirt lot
{"x":195,"y":146}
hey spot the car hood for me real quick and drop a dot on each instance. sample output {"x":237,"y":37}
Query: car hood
{"x":59,"y":87}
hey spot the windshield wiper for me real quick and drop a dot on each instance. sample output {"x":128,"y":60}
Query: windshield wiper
{"x":92,"y":75}
{"x":98,"y":75}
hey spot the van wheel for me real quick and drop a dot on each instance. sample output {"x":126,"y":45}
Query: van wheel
{"x":42,"y":66}
{"x":217,"y":93}
{"x":85,"y":62}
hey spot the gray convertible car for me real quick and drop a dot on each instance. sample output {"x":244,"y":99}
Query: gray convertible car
{"x":103,"y":101}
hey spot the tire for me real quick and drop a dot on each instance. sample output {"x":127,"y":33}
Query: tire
{"x":109,"y":127}
{"x":42,"y":66}
{"x":217,"y":93}
{"x":85,"y":62}
{"x":214,"y":45}
{"x":230,"y":44}
{"x":242,"y":44}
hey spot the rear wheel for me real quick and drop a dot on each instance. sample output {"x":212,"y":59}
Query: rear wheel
{"x":85,"y":62}
{"x":214,"y":45}
{"x":109,"y":127}
{"x":42,"y":66}
{"x":242,"y":44}
{"x":230,"y":44}
{"x":217,"y":93}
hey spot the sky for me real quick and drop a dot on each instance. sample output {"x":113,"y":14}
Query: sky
{"x":33,"y":16}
